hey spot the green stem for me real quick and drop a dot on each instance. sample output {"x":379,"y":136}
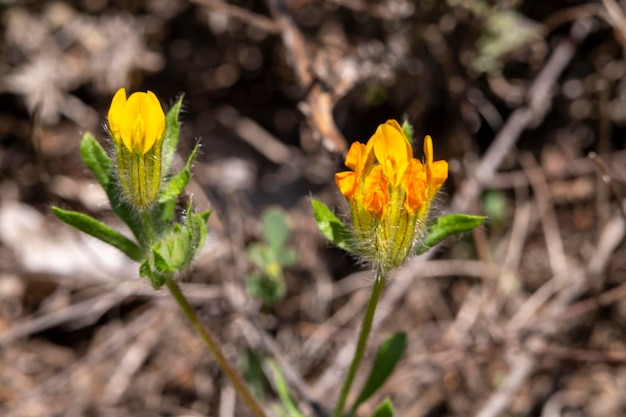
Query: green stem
{"x":366,"y":327}
{"x":214,"y":348}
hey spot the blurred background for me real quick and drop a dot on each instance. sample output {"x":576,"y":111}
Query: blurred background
{"x":525,"y":99}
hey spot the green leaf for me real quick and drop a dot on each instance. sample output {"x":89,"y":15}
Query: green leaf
{"x":260,"y":254}
{"x":101,"y":231}
{"x":176,"y":248}
{"x":156,"y":278}
{"x":127,"y":213}
{"x":96,"y":160}
{"x":173,"y":252}
{"x":446,"y":226}
{"x":253,"y":373}
{"x":275,"y":227}
{"x":283,"y":391}
{"x":172,"y":132}
{"x":332,"y":228}
{"x":387,"y":357}
{"x":196,"y":226}
{"x":268,"y":289}
{"x":286,"y":257}
{"x":495,"y":206}
{"x":384,"y":409}
{"x":176,"y":185}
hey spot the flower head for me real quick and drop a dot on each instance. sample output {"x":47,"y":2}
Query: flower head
{"x":137,"y":126}
{"x":139,"y":122}
{"x":390,"y":193}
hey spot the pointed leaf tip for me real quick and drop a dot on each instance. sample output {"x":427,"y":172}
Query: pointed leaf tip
{"x":384,"y":409}
{"x":387,"y":357}
{"x":332,"y":228}
{"x":446,"y":226}
{"x":100,"y":231}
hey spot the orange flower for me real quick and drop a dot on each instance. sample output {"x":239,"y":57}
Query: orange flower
{"x":389,"y":192}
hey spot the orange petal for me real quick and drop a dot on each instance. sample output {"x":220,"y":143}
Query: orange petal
{"x":347,"y":182}
{"x":414,"y":184}
{"x":439,"y":172}
{"x":376,"y":192}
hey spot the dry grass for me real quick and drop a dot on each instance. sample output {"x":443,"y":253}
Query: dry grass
{"x":524,"y":317}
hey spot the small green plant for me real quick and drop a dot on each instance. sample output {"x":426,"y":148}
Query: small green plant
{"x":270,"y":257}
{"x":390,"y":194}
{"x":143,"y":192}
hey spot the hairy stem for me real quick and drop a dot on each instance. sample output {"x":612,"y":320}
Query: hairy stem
{"x":366,"y":327}
{"x":208,"y":339}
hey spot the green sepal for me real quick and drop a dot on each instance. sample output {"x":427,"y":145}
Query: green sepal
{"x":156,"y":278}
{"x":275,"y":227}
{"x":332,"y":228}
{"x":100,"y":231}
{"x":96,"y":159}
{"x":172,"y":132}
{"x":384,"y":409}
{"x":446,"y":226}
{"x":387,"y":357}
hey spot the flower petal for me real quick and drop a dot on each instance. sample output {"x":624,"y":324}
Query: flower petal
{"x":154,"y":118}
{"x":414,"y":184}
{"x":116,"y":112}
{"x":347,"y":182}
{"x":393,"y":150}
{"x":376,"y":194}
{"x":437,"y":171}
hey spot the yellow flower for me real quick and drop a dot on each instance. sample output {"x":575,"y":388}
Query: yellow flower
{"x":137,"y":126}
{"x":390,"y":193}
{"x":138,"y":122}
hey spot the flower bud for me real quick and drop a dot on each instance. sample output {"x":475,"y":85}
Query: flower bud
{"x":137,"y":127}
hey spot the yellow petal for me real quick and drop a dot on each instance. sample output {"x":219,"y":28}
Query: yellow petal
{"x":428,"y":150}
{"x":115,"y":113}
{"x":154,"y":118}
{"x":132,"y":127}
{"x":393,"y":150}
{"x":437,"y":171}
{"x":142,"y":122}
